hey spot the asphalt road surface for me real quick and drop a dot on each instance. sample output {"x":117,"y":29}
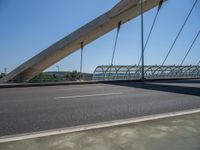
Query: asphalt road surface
{"x":33,"y":109}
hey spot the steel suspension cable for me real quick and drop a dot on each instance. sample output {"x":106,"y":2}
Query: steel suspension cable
{"x":151,"y":29}
{"x":116,"y":40}
{"x":190,"y":48}
{"x":181,"y":29}
{"x":142,"y":40}
{"x":114,"y":49}
{"x":198,"y":63}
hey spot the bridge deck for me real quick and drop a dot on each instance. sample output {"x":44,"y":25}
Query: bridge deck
{"x":32,"y":109}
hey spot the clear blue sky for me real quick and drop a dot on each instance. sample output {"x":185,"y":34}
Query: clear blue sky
{"x":29,"y":26}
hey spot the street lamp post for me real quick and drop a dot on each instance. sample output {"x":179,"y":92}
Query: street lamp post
{"x":58,"y":67}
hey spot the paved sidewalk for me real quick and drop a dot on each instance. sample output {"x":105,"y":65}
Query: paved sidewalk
{"x":176,"y":133}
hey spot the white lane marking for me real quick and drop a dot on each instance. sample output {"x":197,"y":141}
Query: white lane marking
{"x":78,"y":88}
{"x":93,"y":95}
{"x":39,"y":134}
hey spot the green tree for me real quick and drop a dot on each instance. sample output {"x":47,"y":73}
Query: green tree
{"x":73,"y":76}
{"x":45,"y":78}
{"x":2,"y":75}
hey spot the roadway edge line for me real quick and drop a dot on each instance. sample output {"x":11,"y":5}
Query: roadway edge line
{"x":19,"y":137}
{"x":22,"y":85}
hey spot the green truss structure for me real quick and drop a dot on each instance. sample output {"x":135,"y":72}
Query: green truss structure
{"x":117,"y":72}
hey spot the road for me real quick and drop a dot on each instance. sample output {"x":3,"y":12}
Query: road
{"x":31,"y":109}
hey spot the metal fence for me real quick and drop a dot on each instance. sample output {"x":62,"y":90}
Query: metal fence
{"x":151,"y":72}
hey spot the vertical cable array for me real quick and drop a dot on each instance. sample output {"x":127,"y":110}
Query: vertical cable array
{"x":181,"y":29}
{"x":151,"y":29}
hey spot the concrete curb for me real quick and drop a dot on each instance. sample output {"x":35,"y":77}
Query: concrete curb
{"x":12,"y":138}
{"x":18,"y":85}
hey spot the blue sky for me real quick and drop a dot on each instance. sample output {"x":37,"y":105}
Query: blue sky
{"x":29,"y":26}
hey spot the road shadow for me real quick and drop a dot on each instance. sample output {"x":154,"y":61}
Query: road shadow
{"x":191,"y":81}
{"x":153,"y":85}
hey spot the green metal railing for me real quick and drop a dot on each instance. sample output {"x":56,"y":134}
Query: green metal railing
{"x":151,"y":72}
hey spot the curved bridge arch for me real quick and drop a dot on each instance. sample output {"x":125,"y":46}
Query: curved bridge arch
{"x":124,"y":11}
